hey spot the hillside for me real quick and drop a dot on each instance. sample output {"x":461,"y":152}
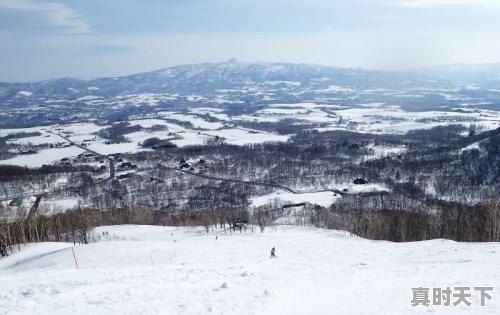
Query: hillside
{"x":163,"y":270}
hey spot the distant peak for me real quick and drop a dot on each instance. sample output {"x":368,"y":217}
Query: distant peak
{"x":233,"y":60}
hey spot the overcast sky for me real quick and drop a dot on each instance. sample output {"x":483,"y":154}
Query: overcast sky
{"x":43,"y":39}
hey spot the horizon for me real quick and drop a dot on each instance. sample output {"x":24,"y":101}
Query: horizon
{"x":67,"y":38}
{"x":408,"y":70}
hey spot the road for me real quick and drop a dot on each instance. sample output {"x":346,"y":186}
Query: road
{"x":256,"y":183}
{"x":111,"y":162}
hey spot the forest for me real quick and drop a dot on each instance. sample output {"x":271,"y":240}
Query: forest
{"x":435,"y":187}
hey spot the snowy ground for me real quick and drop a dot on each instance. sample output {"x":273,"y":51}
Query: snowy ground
{"x":321,"y":198}
{"x":324,"y":198}
{"x":163,"y":270}
{"x":45,"y":156}
{"x":373,"y":118}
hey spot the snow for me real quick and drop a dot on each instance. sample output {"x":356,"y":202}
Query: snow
{"x":309,"y":106}
{"x":372,"y":118}
{"x":240,"y":136}
{"x":113,"y":148}
{"x":44,"y":138}
{"x":384,"y":150}
{"x":473,"y":146}
{"x":292,"y":83}
{"x":148,"y":123}
{"x":147,"y":270}
{"x":325,"y":198}
{"x":256,"y":118}
{"x":237,"y":136}
{"x":302,"y":111}
{"x":149,"y":99}
{"x":59,"y":204}
{"x":82,"y":128}
{"x":321,"y":198}
{"x":366,"y":188}
{"x":24,"y":93}
{"x":289,"y":111}
{"x":219,"y":99}
{"x":190,"y":138}
{"x":184,"y":136}
{"x":206,"y":110}
{"x":9,"y":131}
{"x":197,"y":122}
{"x":46,"y":156}
{"x":380,"y":118}
{"x":87,"y":98}
{"x":337,"y":89}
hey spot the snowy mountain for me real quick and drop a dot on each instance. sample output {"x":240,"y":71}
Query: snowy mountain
{"x":248,"y":85}
{"x":204,"y":77}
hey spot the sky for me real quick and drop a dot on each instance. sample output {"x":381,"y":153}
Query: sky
{"x":42,"y":39}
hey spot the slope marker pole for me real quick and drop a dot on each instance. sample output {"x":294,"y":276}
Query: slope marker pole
{"x":74,"y":256}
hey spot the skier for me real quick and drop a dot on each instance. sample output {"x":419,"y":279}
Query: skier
{"x":273,"y":253}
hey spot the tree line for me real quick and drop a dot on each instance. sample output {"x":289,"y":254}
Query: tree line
{"x":454,"y":221}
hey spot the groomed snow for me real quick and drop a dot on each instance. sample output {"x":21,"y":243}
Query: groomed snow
{"x":58,"y":205}
{"x":366,"y":188}
{"x":164,"y":270}
{"x":325,"y":198}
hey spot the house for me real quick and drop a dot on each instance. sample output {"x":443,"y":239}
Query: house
{"x":27,"y":151}
{"x":127,"y":165}
{"x":124,"y":176}
{"x":16,"y":202}
{"x":360,"y":181}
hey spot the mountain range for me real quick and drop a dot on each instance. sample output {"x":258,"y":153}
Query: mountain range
{"x":234,"y":74}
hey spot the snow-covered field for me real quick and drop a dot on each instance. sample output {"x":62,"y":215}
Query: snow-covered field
{"x":321,"y":198}
{"x":325,"y":198}
{"x":164,"y":270}
{"x":83,"y":133}
{"x":46,"y":156}
{"x":373,"y":118}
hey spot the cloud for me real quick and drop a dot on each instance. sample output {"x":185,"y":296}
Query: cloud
{"x":94,"y":55}
{"x":364,"y":3}
{"x":449,"y":3}
{"x":378,"y":34}
{"x":54,"y":14}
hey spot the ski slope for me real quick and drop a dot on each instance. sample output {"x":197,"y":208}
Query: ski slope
{"x":165,"y":270}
